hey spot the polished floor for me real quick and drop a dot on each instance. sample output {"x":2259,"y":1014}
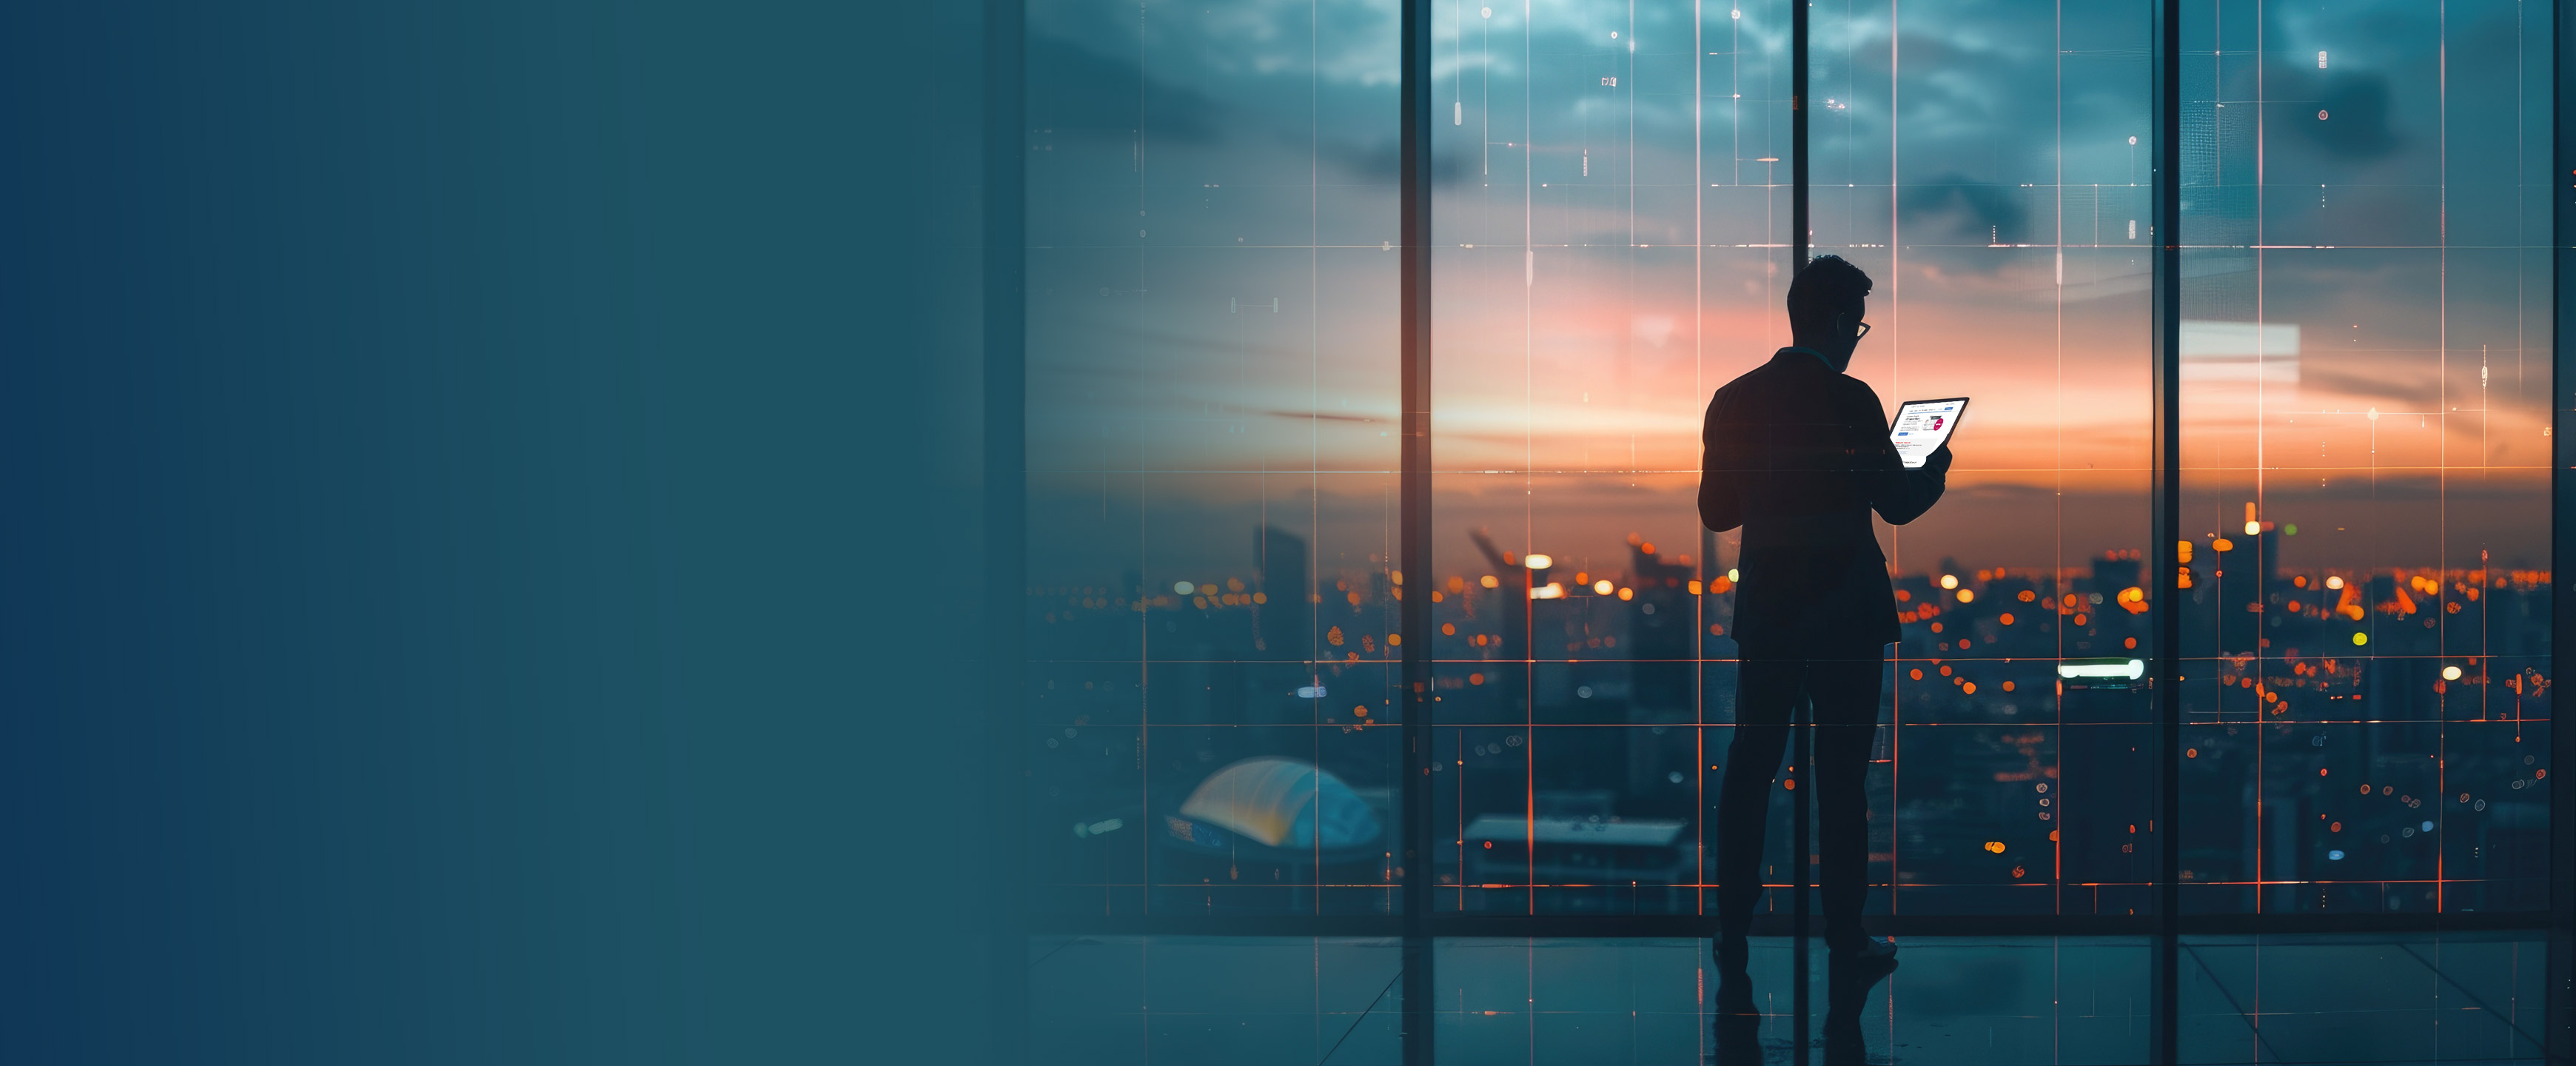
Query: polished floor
{"x":1206,"y":1001}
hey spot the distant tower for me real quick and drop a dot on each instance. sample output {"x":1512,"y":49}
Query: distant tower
{"x":1660,"y":622}
{"x":1287,"y":628}
{"x":1513,"y":596}
{"x":2116,"y":570}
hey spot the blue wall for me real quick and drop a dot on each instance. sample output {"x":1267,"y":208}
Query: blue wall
{"x":486,"y":545}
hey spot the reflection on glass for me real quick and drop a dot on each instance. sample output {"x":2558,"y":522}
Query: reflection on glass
{"x":2366,"y":378}
{"x":1610,"y":236}
{"x":1212,"y":308}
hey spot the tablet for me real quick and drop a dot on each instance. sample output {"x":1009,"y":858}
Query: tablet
{"x":1922,"y":426}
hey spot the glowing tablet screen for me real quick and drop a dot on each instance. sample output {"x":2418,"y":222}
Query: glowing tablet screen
{"x":1922,"y":426}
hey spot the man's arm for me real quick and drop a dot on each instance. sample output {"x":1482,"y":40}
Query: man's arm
{"x":1906,"y":494}
{"x":1897,"y":493}
{"x":1721,"y":478}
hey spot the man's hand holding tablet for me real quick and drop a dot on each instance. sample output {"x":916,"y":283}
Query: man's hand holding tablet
{"x":1923,"y":426}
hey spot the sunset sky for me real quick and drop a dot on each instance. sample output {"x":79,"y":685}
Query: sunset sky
{"x":1610,"y":248}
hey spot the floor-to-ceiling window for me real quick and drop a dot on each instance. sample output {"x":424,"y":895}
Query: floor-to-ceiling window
{"x":1989,"y":164}
{"x":1213,"y":730}
{"x":2366,"y":374}
{"x":1610,"y":225}
{"x":1212,"y":459}
{"x":1213,"y":446}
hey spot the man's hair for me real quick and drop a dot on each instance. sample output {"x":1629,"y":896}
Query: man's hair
{"x":1829,"y":285}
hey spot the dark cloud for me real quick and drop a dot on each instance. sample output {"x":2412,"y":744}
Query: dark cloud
{"x":1977,"y":210}
{"x":1073,"y":87}
{"x":2356,"y":106}
{"x":1382,"y":159}
{"x":1078,"y":86}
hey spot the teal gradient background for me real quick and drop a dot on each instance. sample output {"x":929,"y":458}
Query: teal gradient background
{"x":488,"y":552}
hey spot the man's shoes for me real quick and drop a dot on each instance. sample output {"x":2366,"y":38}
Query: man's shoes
{"x":1739,"y":1039}
{"x":1735,"y":996}
{"x":1734,"y":985}
{"x":1852,"y":976}
{"x":1863,"y":949}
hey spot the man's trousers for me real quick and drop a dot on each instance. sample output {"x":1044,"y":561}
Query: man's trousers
{"x":1844,"y":694}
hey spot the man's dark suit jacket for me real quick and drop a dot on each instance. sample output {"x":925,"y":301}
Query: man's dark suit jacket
{"x":1798,"y":454}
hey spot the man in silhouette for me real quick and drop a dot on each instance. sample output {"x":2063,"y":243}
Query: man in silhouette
{"x":1798,"y":455}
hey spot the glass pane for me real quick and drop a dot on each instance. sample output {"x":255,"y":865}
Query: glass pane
{"x":1242,"y":1001}
{"x":1213,"y":395}
{"x":2366,"y":363}
{"x":1610,"y":225}
{"x":1987,"y":164}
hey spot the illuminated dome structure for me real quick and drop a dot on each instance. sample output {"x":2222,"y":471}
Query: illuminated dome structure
{"x":1274,"y":802}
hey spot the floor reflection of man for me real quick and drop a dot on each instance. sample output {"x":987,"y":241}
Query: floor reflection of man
{"x":1798,"y":455}
{"x":1849,"y":982}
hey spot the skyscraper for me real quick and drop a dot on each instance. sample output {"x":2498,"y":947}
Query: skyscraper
{"x":1286,"y":631}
